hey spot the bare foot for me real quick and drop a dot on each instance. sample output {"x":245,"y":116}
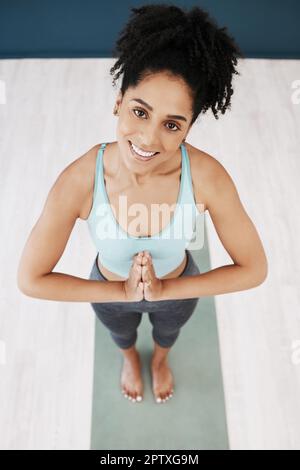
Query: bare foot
{"x":162,"y":380}
{"x":131,"y":379}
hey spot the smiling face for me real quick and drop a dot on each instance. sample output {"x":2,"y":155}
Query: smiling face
{"x":155,"y":116}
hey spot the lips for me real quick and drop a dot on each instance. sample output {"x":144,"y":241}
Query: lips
{"x":139,"y":157}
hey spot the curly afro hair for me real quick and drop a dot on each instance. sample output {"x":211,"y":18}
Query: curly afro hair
{"x":187,"y":44}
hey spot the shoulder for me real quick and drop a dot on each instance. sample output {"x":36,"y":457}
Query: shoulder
{"x":207,"y":173}
{"x":80,"y":175}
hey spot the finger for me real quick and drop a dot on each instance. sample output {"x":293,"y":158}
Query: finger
{"x":150,"y":267}
{"x":138,"y":269}
{"x":138,"y":258}
{"x":146,"y":259}
{"x":146,"y":274}
{"x":147,"y":255}
{"x":136,"y":263}
{"x":135,"y":271}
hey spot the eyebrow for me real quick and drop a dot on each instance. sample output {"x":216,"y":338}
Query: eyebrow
{"x":174,"y":116}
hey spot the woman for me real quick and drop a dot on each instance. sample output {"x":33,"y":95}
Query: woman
{"x":176,"y":65}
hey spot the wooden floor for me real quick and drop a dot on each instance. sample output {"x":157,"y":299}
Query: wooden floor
{"x":53,"y":111}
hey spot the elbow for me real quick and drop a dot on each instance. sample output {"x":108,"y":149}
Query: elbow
{"x":262,"y":278}
{"x":31,"y":287}
{"x":24,"y":290}
{"x":265,"y":270}
{"x":21,"y":281}
{"x":24,"y":287}
{"x":260,"y":268}
{"x":30,"y":292}
{"x":26,"y":282}
{"x":257,"y":274}
{"x":261,"y":274}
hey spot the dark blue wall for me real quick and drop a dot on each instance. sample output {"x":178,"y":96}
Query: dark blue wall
{"x":89,"y":28}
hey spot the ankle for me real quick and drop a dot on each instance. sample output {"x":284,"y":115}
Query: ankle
{"x":157,"y":361}
{"x":130,"y":353}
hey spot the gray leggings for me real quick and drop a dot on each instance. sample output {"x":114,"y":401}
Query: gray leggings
{"x":166,"y":316}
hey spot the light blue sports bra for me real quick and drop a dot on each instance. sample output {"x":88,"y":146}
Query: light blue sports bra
{"x":116,"y":248}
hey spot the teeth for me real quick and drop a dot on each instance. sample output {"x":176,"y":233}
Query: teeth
{"x":141,"y":152}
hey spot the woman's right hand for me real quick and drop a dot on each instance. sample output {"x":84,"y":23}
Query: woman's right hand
{"x":134,"y":286}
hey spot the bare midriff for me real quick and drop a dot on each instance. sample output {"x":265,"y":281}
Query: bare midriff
{"x":115,"y":277}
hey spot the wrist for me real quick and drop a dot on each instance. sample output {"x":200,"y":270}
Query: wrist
{"x":167,"y":289}
{"x":116,"y":291}
{"x":123,"y":293}
{"x":163,"y":295}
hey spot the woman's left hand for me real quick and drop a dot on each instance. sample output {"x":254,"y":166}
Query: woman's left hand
{"x":153,"y":287}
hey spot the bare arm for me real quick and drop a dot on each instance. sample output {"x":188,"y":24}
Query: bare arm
{"x":67,"y":288}
{"x":47,"y":241}
{"x":238,"y":236}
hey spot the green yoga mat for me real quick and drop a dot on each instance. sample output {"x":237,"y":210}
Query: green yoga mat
{"x":194,"y":418}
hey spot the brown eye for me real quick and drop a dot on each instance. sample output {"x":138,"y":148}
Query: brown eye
{"x":173,"y":123}
{"x":139,"y":110}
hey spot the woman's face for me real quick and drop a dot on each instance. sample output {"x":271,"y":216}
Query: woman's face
{"x":160,"y":129}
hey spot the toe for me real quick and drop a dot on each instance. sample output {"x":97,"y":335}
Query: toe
{"x":128,"y":394}
{"x":133,"y":396}
{"x":167,"y":396}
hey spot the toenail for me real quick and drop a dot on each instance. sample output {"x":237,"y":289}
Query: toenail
{"x":158,"y":399}
{"x":139,"y":398}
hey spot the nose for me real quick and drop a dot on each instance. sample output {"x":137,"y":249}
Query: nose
{"x":149,"y":145}
{"x":151,"y":148}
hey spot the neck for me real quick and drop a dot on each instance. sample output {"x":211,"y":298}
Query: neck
{"x":145,"y":176}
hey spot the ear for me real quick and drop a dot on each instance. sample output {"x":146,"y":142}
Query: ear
{"x":119,"y":98}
